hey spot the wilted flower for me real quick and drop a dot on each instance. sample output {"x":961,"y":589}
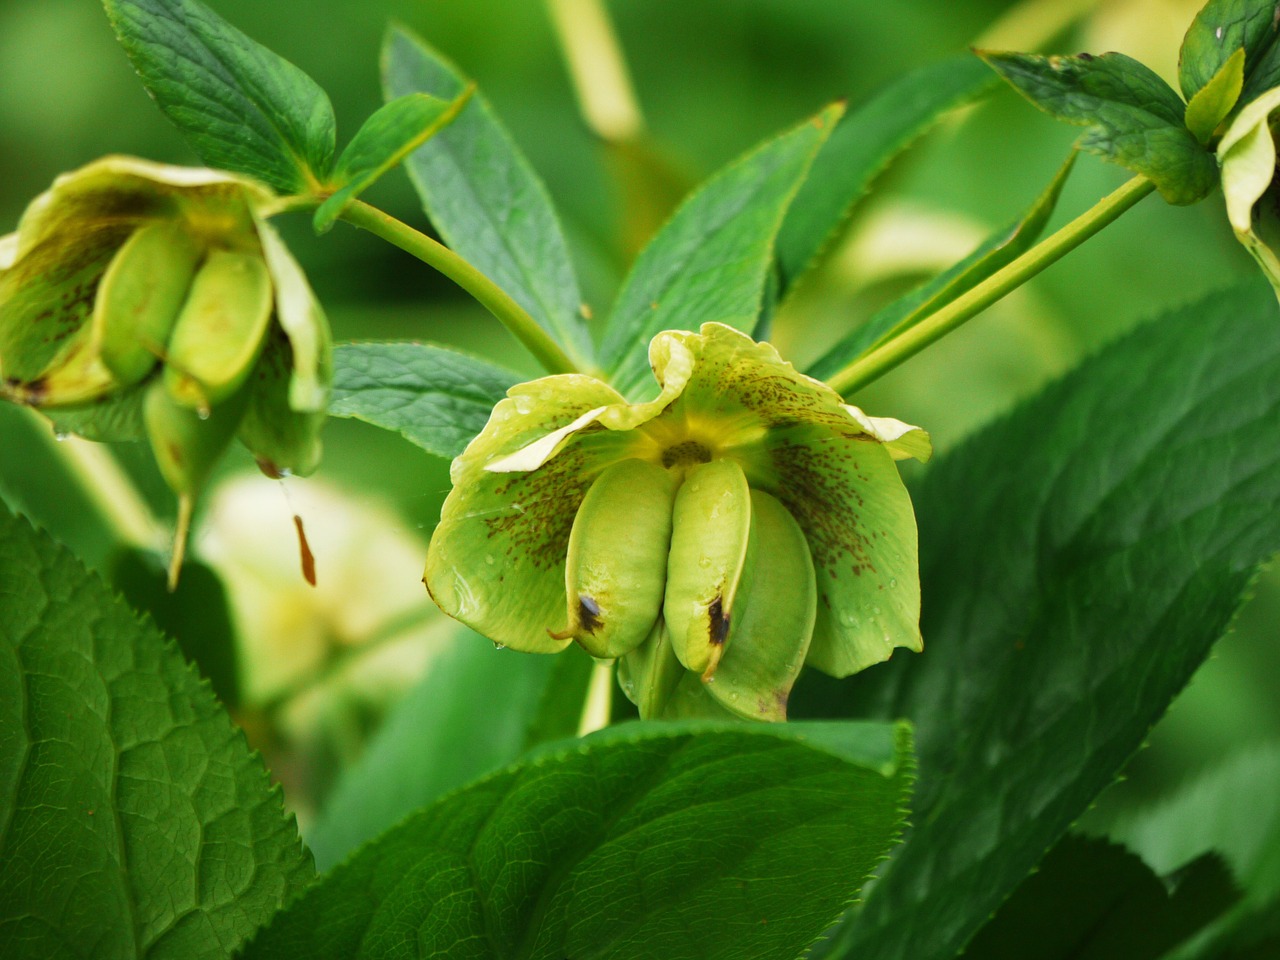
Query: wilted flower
{"x":716,"y":538}
{"x":142,"y":299}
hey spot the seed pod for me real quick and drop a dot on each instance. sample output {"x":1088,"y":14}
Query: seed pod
{"x":617,"y":560}
{"x":649,"y":674}
{"x":220,"y":330}
{"x":283,"y":440}
{"x":711,"y":527}
{"x":187,"y":445}
{"x":773,"y":617}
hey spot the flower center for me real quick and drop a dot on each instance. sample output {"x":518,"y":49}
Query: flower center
{"x":685,"y":454}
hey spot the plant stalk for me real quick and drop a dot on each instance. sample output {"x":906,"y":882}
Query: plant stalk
{"x":880,"y":360}
{"x":509,"y":313}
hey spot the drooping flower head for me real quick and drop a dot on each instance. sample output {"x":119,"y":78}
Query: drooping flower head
{"x":143,"y":299}
{"x":715,"y":538}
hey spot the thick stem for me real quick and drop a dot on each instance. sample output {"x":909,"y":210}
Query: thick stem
{"x":489,"y":294}
{"x":597,"y":68}
{"x":879,"y":361}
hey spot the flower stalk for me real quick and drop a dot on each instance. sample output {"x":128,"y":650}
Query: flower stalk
{"x":881,"y":359}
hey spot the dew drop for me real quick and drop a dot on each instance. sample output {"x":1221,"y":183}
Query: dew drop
{"x":489,"y":559}
{"x":876,"y":610}
{"x":893,"y":581}
{"x":704,"y":562}
{"x":203,"y":413}
{"x":733,"y":698}
{"x":499,"y":646}
{"x":60,"y":436}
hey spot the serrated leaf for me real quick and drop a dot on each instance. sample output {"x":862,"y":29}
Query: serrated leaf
{"x":485,"y":199}
{"x":996,"y":251}
{"x":1066,"y":604}
{"x":861,"y":146}
{"x":647,"y":840}
{"x":1133,"y":117}
{"x":449,"y":717}
{"x":1213,"y":102}
{"x":1093,"y":900}
{"x":133,"y":821}
{"x":240,"y":106}
{"x":394,"y":131}
{"x":432,"y":396}
{"x":1220,"y":29}
{"x":712,"y":259}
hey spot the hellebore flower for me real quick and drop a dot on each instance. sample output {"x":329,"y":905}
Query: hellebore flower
{"x":142,"y":299}
{"x":714,"y":539}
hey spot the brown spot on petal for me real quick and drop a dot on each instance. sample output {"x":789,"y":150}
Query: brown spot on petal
{"x":304,"y":551}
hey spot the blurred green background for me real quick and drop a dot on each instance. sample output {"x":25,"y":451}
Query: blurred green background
{"x":712,"y":77}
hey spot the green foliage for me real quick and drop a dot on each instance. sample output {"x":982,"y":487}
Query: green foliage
{"x":860,"y":148}
{"x":484,"y":197}
{"x":240,"y":106}
{"x":1092,"y":900}
{"x":1001,"y":248}
{"x":450,"y":717}
{"x":1213,"y":102}
{"x":1220,"y":29}
{"x":671,"y":840}
{"x":1133,"y":117}
{"x":1068,"y":602}
{"x":394,"y":131}
{"x":432,"y":396}
{"x":135,"y":821}
{"x":712,"y":259}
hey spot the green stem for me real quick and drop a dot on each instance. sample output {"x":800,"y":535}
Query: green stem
{"x":489,"y":294}
{"x":879,"y":361}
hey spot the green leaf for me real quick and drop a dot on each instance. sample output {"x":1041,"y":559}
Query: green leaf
{"x":1228,"y":809}
{"x":133,"y":821}
{"x":444,"y":734}
{"x":1092,"y":900}
{"x":195,"y":614}
{"x":432,"y":396}
{"x":485,"y":199}
{"x":862,"y":145}
{"x":1133,"y":117}
{"x":1220,"y":29}
{"x":1213,"y":102}
{"x":240,"y":106}
{"x":713,"y":258}
{"x":1066,"y":604}
{"x":648,"y":840}
{"x":394,"y":131}
{"x":998,"y":250}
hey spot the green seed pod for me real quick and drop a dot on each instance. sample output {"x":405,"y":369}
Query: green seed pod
{"x":773,"y":617}
{"x":711,"y":529}
{"x":649,"y":674}
{"x":187,"y":445}
{"x":617,"y":559}
{"x":284,"y":441}
{"x":220,"y":330}
{"x":140,"y":297}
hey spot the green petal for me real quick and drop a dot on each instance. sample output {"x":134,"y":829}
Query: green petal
{"x":497,"y":559}
{"x":303,"y":321}
{"x":1248,"y":157}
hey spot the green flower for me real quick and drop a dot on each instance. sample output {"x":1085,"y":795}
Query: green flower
{"x":744,"y":522}
{"x":138,"y":299}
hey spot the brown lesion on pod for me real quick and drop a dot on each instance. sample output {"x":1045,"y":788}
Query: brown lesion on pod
{"x":588,"y":620}
{"x":718,"y":621}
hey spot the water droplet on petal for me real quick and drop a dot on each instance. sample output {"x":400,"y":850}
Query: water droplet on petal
{"x":499,"y":646}
{"x":60,"y":436}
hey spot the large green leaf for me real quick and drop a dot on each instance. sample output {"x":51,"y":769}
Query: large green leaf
{"x":713,"y":258}
{"x":647,"y":840}
{"x":862,"y":145}
{"x":1078,"y":560}
{"x":445,"y":733}
{"x":432,"y":396}
{"x":485,"y":199}
{"x":240,"y":106}
{"x":996,"y":251}
{"x":1092,"y":900}
{"x":1133,"y":117}
{"x":134,"y":821}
